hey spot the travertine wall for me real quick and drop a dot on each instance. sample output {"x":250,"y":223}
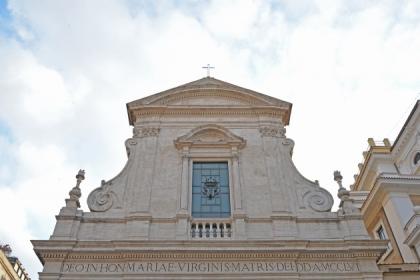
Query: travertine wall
{"x":140,"y":223}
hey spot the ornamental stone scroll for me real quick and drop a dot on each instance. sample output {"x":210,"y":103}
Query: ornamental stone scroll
{"x":102,"y":199}
{"x":318,"y":200}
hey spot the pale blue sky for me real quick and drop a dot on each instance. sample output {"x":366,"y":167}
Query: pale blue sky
{"x":67,"y":68}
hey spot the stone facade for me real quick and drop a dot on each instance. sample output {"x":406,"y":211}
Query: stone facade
{"x":388,"y":191}
{"x":10,"y":267}
{"x":140,"y":224}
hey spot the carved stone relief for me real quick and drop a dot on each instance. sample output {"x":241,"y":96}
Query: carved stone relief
{"x":290,"y":144}
{"x":146,"y":132}
{"x":210,"y":134}
{"x":102,"y":199}
{"x":318,"y":200}
{"x":273,"y":131}
{"x":311,"y":196}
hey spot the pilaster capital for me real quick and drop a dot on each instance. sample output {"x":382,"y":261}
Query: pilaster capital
{"x":142,"y":132}
{"x":273,"y":131}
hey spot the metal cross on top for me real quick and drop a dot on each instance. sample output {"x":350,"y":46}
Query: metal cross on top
{"x":208,"y":67}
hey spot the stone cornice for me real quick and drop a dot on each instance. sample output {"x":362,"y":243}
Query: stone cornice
{"x":208,"y":86}
{"x":407,"y":129}
{"x":223,"y":93}
{"x":373,"y":155}
{"x":304,"y":217}
{"x":386,"y":183}
{"x":271,"y":111}
{"x":208,"y":250}
{"x":413,"y":237}
{"x":210,"y":135}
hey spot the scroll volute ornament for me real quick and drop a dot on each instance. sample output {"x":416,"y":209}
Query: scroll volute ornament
{"x":318,"y":200}
{"x":102,"y":199}
{"x":312,"y":197}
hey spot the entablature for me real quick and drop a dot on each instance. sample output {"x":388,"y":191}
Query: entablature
{"x":384,"y":185}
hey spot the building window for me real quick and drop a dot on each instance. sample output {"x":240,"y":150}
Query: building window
{"x":417,"y":158}
{"x":381,"y":233}
{"x":210,"y":190}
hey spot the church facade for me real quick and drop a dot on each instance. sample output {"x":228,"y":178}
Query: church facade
{"x":209,"y":191}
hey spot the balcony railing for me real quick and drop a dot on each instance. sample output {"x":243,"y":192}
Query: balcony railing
{"x":211,"y":230}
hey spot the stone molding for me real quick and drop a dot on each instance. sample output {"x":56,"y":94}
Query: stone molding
{"x":293,"y":249}
{"x":207,"y":256}
{"x":211,"y":135}
{"x":142,"y":132}
{"x":405,"y":137}
{"x":272,"y":131}
{"x":208,"y":86}
{"x":245,"y":101}
{"x":386,"y":183}
{"x":212,"y":111}
{"x":290,"y":144}
{"x":222,"y":94}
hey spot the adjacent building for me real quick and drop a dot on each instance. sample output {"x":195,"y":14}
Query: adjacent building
{"x":10,"y":267}
{"x":210,"y":191}
{"x":387,"y":190}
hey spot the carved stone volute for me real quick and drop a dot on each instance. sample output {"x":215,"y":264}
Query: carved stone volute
{"x":103,"y":198}
{"x":318,"y":200}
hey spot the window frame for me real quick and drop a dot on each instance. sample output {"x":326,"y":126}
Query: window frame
{"x":193,"y":160}
{"x":377,"y":236}
{"x":206,"y":143}
{"x":381,"y":233}
{"x":416,"y":157}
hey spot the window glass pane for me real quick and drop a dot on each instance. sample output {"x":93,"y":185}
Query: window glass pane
{"x":210,"y":190}
{"x":224,"y":178}
{"x":197,"y":179}
{"x":381,"y":233}
{"x":196,"y":202}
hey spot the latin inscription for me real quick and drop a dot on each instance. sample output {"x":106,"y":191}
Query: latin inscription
{"x":211,"y":267}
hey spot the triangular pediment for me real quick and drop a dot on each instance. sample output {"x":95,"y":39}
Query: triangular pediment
{"x":209,"y":92}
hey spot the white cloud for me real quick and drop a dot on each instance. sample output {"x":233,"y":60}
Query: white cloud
{"x":232,"y":20}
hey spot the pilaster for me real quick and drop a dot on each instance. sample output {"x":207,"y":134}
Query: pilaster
{"x":399,"y":209}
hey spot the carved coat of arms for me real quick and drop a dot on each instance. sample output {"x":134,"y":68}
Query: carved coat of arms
{"x":210,"y":187}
